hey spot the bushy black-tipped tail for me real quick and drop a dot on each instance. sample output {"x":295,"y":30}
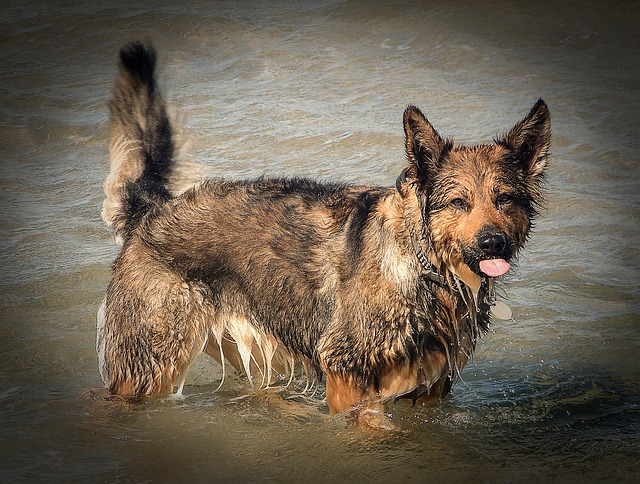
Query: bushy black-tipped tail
{"x":141,"y":145}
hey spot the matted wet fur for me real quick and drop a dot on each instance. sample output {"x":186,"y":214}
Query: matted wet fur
{"x":384,"y":291}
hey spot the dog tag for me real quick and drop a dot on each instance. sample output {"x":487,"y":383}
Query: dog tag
{"x":501,"y":311}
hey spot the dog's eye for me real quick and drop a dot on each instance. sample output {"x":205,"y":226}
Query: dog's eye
{"x":503,"y":198}
{"x":458,"y":203}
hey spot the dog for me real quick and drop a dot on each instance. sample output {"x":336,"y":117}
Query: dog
{"x":383,"y":291}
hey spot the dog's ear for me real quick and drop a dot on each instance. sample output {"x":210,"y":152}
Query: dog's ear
{"x":424,"y":145}
{"x":529,"y":140}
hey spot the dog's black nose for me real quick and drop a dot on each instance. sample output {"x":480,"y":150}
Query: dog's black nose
{"x":492,"y":244}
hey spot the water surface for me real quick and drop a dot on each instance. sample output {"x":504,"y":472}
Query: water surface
{"x":318,"y":89}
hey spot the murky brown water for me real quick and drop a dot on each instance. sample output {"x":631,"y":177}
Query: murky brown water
{"x":318,"y":89}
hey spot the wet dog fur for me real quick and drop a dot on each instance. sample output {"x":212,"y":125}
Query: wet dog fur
{"x":383,"y":291}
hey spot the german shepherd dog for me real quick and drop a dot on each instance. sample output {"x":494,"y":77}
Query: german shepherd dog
{"x":383,"y":291}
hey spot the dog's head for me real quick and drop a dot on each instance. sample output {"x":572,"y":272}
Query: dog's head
{"x":477,"y":202}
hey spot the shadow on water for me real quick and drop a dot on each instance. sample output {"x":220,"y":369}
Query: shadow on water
{"x":554,"y":424}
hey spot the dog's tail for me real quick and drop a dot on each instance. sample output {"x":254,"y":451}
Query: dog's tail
{"x":141,"y":146}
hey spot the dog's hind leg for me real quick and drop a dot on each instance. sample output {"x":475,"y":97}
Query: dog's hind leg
{"x":153,"y":325}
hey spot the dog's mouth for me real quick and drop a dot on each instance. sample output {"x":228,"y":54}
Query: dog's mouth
{"x":490,"y":258}
{"x":494,"y":267}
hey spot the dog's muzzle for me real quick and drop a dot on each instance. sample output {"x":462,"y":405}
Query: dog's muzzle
{"x":495,"y":252}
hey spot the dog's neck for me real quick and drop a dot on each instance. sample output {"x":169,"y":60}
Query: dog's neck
{"x":462,"y":273}
{"x":428,"y":268}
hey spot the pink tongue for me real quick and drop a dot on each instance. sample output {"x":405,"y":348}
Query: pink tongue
{"x":494,"y":267}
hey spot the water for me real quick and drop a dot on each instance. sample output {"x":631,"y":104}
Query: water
{"x":318,"y":89}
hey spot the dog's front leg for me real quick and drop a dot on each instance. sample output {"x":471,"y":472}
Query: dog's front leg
{"x":363,"y":407}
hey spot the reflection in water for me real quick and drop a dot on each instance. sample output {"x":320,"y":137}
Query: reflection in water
{"x":318,"y":90}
